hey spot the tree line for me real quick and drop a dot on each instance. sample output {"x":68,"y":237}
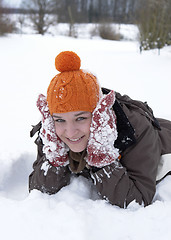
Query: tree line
{"x":84,"y":11}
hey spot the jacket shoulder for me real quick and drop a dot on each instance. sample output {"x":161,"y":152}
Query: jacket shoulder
{"x":137,"y":106}
{"x":35,"y":129}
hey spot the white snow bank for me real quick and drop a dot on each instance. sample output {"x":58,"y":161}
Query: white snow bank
{"x":77,"y":213}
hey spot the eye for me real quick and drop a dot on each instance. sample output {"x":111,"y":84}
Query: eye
{"x":81,"y":118}
{"x":59,"y":120}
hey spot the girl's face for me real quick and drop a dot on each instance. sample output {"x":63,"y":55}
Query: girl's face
{"x":73,"y":128}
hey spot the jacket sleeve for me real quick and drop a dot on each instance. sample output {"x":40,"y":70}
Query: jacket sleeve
{"x":135,"y":178}
{"x":45,"y":177}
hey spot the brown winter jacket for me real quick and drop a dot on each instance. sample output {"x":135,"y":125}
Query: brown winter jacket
{"x":142,"y":139}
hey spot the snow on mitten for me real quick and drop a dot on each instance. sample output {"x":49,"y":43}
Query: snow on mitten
{"x":103,"y":133}
{"x":55,"y":150}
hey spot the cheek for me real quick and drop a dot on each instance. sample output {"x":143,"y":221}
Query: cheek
{"x":58,"y":130}
{"x":87,"y":128}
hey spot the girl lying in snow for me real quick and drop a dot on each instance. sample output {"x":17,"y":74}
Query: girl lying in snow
{"x":96,"y":133}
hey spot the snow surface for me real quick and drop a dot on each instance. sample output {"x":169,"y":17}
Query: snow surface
{"x":27,"y":66}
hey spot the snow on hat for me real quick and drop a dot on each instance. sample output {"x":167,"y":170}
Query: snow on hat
{"x":72,"y":89}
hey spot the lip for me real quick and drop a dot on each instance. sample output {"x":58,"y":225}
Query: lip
{"x":74,"y":140}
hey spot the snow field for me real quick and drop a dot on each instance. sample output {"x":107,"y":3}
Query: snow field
{"x":27,"y":66}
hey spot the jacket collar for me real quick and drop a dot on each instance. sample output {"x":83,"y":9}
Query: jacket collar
{"x":126,"y":133}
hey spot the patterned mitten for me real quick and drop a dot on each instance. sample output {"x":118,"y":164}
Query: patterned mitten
{"x":103,"y":133}
{"x":55,"y":150}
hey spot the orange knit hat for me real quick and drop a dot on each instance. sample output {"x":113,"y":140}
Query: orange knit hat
{"x":73,"y":89}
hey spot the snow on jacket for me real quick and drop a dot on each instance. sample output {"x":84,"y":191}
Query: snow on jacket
{"x":141,"y":141}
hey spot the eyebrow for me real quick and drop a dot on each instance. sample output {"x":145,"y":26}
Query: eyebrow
{"x":56,"y":116}
{"x":76,"y":115}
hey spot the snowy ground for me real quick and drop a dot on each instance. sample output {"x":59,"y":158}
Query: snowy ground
{"x":27,"y":66}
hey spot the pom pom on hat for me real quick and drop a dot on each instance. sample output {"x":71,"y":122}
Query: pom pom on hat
{"x":72,"y":89}
{"x":67,"y":61}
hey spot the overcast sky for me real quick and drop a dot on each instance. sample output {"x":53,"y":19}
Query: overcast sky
{"x":12,"y":3}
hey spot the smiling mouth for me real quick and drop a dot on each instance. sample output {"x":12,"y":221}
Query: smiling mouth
{"x":75,"y":139}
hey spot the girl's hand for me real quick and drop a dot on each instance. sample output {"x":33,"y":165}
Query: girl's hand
{"x":103,"y":133}
{"x":54,"y":148}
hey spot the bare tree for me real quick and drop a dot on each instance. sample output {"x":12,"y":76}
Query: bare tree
{"x":6,"y":25}
{"x":40,"y":14}
{"x":154,"y":24}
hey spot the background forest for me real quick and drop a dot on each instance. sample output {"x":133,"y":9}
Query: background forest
{"x":153,"y":17}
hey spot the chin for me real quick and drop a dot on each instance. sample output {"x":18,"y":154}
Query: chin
{"x":77,"y":149}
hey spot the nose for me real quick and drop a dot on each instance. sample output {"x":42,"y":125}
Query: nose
{"x":71,"y":130}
